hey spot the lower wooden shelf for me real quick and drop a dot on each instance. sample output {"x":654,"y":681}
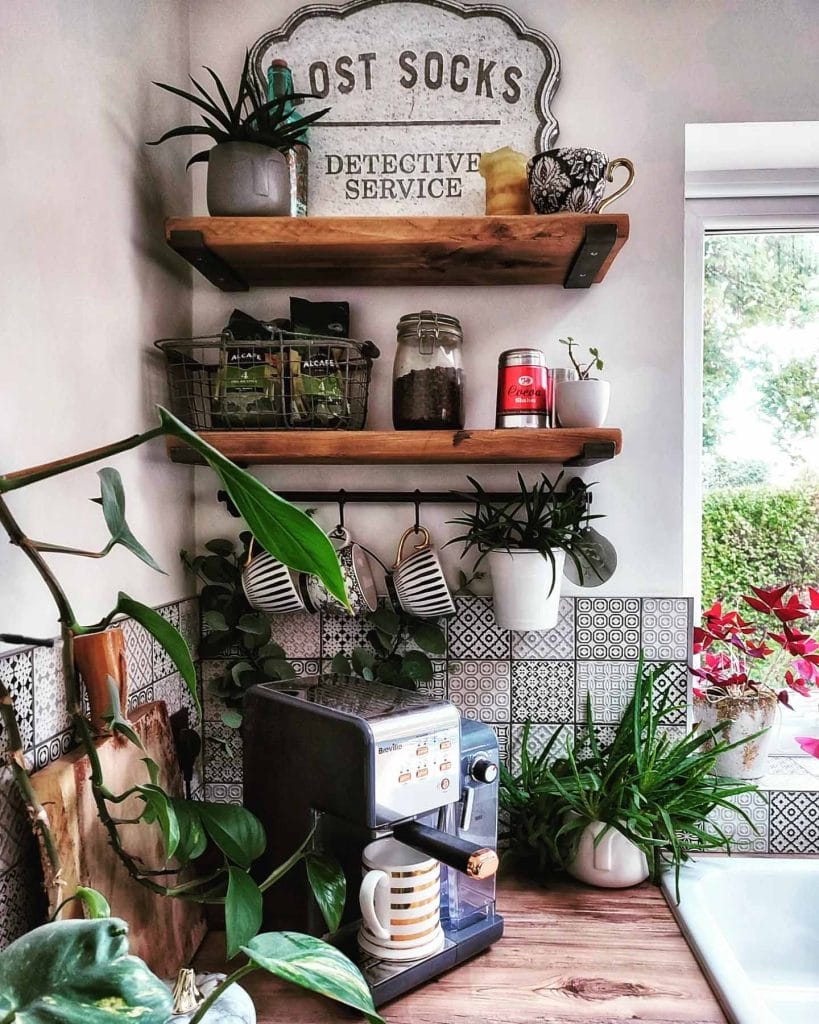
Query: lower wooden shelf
{"x":414,"y":447}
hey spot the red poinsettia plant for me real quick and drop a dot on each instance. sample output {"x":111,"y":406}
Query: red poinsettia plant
{"x":743,"y":659}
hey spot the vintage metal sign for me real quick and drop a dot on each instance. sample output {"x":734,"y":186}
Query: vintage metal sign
{"x":418,"y":90}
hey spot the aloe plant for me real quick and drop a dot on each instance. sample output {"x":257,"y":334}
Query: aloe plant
{"x":248,"y":118}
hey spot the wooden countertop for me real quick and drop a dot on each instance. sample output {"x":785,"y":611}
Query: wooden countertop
{"x":569,"y":953}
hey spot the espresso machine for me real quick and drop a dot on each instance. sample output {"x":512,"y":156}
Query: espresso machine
{"x":358,"y":761}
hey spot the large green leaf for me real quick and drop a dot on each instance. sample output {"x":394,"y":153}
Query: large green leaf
{"x":329,"y":886}
{"x":79,"y":972}
{"x":315,"y":965}
{"x":159,"y":808}
{"x":168,"y":636}
{"x":192,"y":838}
{"x":282,"y":529}
{"x":237,"y":832}
{"x":243,"y":910}
{"x":112,"y":499}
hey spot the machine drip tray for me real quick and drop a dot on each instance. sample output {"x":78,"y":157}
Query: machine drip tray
{"x":388,"y":980}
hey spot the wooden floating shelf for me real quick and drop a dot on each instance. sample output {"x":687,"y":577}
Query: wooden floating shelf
{"x":416,"y":447}
{"x":234,"y":253}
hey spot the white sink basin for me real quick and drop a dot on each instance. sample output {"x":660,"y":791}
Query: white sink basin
{"x":752,"y":924}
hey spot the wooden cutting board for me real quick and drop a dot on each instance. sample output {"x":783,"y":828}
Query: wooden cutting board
{"x":165,"y":932}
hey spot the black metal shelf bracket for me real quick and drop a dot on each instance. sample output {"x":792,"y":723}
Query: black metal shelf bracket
{"x":592,"y":453}
{"x":597,"y":243}
{"x":191,"y":246}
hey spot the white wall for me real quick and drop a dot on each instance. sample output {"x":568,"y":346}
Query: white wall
{"x":634,"y":73}
{"x":87,"y":285}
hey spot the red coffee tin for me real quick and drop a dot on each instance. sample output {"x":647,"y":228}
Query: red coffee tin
{"x":524,"y":389}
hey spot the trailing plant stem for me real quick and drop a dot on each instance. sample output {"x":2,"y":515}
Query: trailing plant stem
{"x":220,"y":989}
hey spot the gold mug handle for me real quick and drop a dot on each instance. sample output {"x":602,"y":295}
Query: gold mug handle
{"x":412,"y":530}
{"x":621,"y":161}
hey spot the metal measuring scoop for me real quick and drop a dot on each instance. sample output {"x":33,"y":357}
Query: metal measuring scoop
{"x":599,"y":559}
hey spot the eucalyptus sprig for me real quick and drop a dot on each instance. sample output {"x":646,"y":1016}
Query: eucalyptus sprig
{"x":583,"y":372}
{"x":400,"y":645}
{"x":248,"y":118}
{"x":541,"y":519}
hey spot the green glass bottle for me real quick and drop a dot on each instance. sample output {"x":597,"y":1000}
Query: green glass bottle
{"x":280,"y":83}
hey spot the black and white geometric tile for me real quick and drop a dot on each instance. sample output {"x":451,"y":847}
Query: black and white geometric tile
{"x":540,"y":733}
{"x":670,"y":687}
{"x":745,"y":838}
{"x":480,"y":689}
{"x":161,"y":660}
{"x":473,"y":632}
{"x":16,"y":671}
{"x":608,"y":628}
{"x":139,"y":655}
{"x":794,"y":822}
{"x":543,"y":689}
{"x":557,"y":643}
{"x":15,"y":829}
{"x":666,"y":622}
{"x":49,"y":692}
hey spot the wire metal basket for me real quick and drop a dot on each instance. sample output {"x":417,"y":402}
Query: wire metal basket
{"x":288,"y":382}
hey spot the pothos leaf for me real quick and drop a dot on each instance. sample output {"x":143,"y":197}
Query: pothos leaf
{"x":238,"y":833}
{"x":243,"y":910}
{"x":282,"y":529}
{"x":96,"y":905}
{"x":329,"y":886}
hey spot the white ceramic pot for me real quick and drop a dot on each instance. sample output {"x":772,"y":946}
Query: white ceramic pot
{"x":746,"y":715}
{"x":582,"y":403}
{"x":525,"y":588}
{"x":614,"y":863}
{"x":246,"y":179}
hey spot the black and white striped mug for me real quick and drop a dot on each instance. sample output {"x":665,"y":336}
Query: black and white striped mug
{"x":269,"y":585}
{"x":417,"y":583}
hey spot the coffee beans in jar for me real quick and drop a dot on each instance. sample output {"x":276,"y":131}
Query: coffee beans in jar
{"x":428,"y":377}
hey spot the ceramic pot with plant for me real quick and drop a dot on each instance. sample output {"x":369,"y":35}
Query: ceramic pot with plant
{"x":747,"y":669}
{"x":248,"y":170}
{"x":600,"y":810}
{"x":583,"y":402}
{"x":526,"y":542}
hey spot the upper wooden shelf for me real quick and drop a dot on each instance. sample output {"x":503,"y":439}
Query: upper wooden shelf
{"x":390,"y":447}
{"x":569,"y":249}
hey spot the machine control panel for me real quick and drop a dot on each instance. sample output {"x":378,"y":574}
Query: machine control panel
{"x":414,"y":774}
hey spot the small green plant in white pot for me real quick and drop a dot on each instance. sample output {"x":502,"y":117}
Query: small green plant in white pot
{"x":248,"y":171}
{"x":527,"y":541}
{"x":583,"y":402}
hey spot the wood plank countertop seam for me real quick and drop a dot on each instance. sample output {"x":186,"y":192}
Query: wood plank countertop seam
{"x":569,"y":954}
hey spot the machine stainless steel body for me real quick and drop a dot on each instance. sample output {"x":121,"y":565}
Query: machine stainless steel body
{"x":360,"y":760}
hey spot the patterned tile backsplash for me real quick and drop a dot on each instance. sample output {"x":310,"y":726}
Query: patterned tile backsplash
{"x":500,"y":677}
{"x":35,"y":679}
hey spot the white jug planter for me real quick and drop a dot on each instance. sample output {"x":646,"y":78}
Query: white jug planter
{"x":582,"y":403}
{"x":525,"y":588}
{"x":747,"y":715}
{"x":246,"y":179}
{"x":614,"y":863}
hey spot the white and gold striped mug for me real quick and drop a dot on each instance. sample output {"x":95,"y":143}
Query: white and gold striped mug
{"x":400,"y":900}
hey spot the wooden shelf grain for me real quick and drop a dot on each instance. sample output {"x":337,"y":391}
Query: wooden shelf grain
{"x":409,"y":447}
{"x":569,"y":955}
{"x":235,"y":253}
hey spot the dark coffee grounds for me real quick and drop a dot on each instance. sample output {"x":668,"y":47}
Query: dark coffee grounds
{"x":429,"y":400}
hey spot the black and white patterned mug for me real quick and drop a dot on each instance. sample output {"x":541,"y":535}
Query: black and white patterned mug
{"x":356,"y":572}
{"x":416,"y":583}
{"x":268,"y":584}
{"x":573,"y":180}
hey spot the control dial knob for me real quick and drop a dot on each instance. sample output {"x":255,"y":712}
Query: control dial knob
{"x":483,"y":770}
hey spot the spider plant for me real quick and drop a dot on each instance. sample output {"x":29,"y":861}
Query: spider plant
{"x":540,"y":519}
{"x":248,"y":118}
{"x":657,"y":790}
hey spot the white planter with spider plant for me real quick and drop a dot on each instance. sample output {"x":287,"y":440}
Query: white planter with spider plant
{"x":526,"y":541}
{"x":251,"y":167}
{"x":583,"y":402}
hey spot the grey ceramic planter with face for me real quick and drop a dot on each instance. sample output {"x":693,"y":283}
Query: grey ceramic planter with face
{"x":248,"y":180}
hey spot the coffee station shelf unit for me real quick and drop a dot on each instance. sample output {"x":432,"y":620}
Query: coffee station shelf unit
{"x":409,"y":447}
{"x":574,"y":250}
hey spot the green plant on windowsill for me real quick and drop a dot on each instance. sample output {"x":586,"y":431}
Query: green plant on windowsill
{"x":656,"y":790}
{"x":187,"y":827}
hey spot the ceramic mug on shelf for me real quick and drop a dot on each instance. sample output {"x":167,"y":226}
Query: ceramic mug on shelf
{"x":416,"y":582}
{"x":400,"y":901}
{"x":572,"y":179}
{"x":356,"y":573}
{"x":268,"y":584}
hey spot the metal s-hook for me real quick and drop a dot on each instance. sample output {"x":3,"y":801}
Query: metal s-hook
{"x":341,"y":499}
